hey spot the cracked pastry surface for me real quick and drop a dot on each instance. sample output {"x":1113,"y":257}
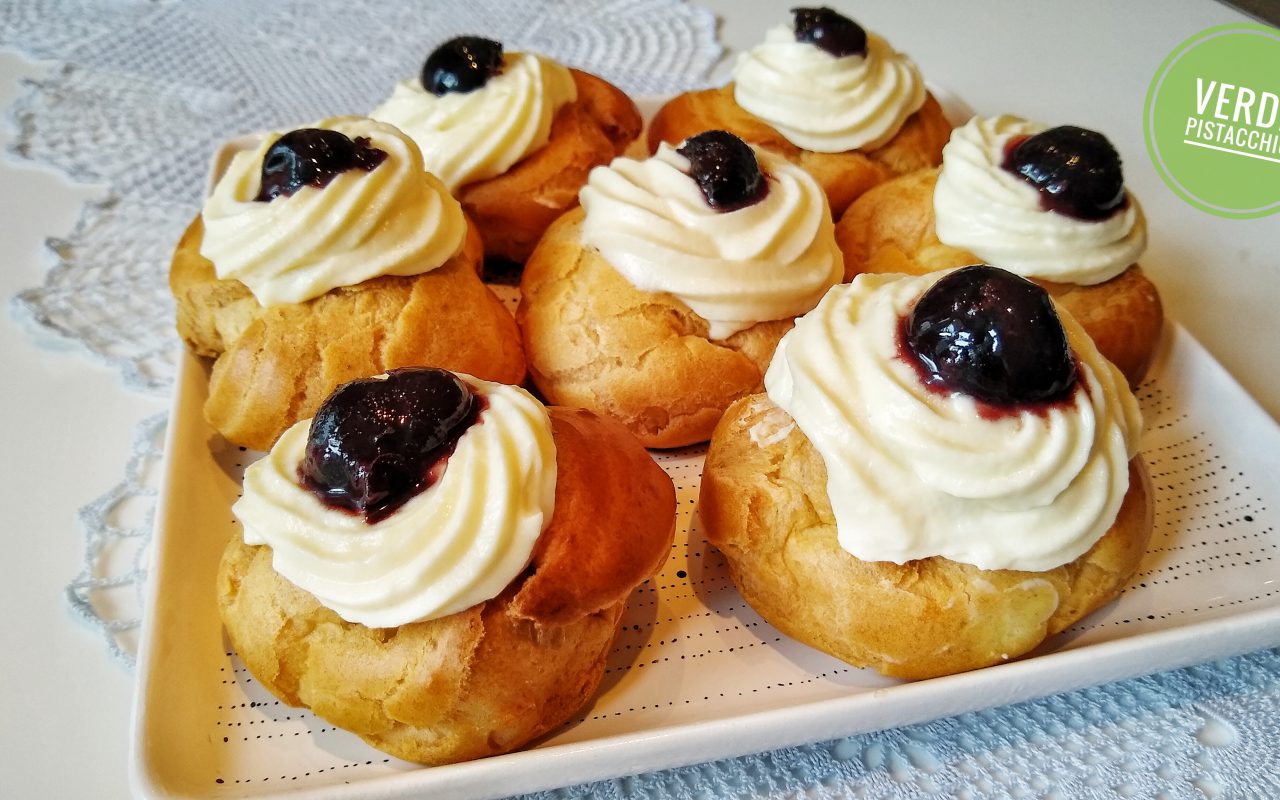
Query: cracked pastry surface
{"x":764,"y":505}
{"x":274,"y":365}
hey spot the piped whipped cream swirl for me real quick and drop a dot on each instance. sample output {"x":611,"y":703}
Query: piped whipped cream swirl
{"x":826,"y":103}
{"x":913,"y":472}
{"x":458,"y":543}
{"x":469,"y":136}
{"x":981,"y":207}
{"x":393,"y":220}
{"x":769,"y":260}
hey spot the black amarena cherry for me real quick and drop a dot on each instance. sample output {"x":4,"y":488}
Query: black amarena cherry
{"x":725,"y":169}
{"x":313,"y":157}
{"x":992,"y":335}
{"x":373,"y":443}
{"x":463,"y":64}
{"x":1076,"y":170}
{"x":831,"y":31}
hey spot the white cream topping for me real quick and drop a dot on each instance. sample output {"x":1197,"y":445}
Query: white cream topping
{"x":469,"y":136}
{"x":826,"y":103}
{"x":996,"y":215}
{"x":458,"y":543}
{"x":769,"y":260}
{"x":393,"y":220}
{"x":913,"y":472}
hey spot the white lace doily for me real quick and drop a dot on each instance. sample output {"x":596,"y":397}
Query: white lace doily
{"x":142,"y":93}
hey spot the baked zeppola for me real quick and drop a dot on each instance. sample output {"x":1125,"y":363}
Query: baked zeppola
{"x":942,"y":472}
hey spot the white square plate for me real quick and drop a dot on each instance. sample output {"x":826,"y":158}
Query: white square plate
{"x":696,"y":675}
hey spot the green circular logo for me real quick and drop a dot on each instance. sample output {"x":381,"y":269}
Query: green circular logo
{"x":1212,"y":120}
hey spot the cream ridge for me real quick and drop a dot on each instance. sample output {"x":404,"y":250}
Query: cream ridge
{"x":458,"y":543}
{"x":996,"y":215}
{"x":913,"y":472}
{"x":469,"y":136}
{"x":393,"y":220}
{"x":825,"y":103}
{"x":769,"y":260}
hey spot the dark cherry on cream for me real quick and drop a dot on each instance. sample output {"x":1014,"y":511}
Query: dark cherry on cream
{"x":375,"y":443}
{"x":1076,"y":170}
{"x":463,"y":64}
{"x":830,"y":31}
{"x":992,"y":335}
{"x":725,"y":169}
{"x":313,"y":157}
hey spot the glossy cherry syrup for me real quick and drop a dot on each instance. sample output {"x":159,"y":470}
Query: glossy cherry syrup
{"x":313,"y":157}
{"x":375,"y":443}
{"x":1076,"y":170}
{"x":992,"y":335}
{"x":463,"y":64}
{"x":831,"y":31}
{"x":725,"y":169}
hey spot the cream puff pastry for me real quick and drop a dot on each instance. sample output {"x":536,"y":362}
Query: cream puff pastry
{"x":931,"y":483}
{"x":327,"y":254}
{"x":660,"y":301}
{"x":440,"y":564}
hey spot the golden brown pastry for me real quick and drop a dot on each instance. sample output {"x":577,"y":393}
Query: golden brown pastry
{"x":277,"y":358}
{"x":925,"y":520}
{"x":765,"y":508}
{"x":273,"y":366}
{"x":511,"y":134}
{"x":829,"y":96}
{"x":893,"y":229}
{"x":496,"y":674}
{"x":513,"y":210}
{"x":596,"y":341}
{"x":662,"y":325}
